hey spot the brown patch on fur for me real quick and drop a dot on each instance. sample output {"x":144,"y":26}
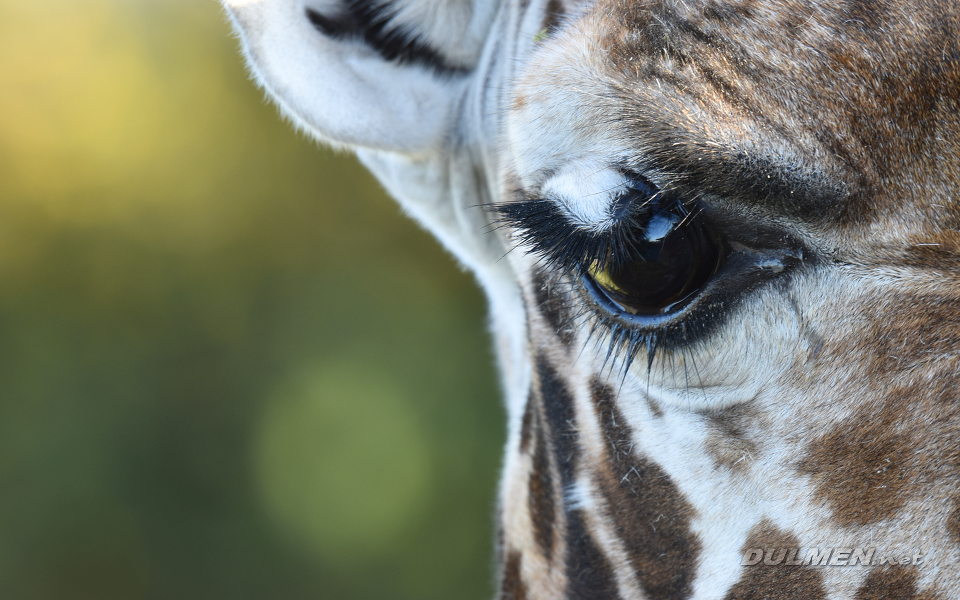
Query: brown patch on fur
{"x":526,"y":425}
{"x":865,"y":14}
{"x":654,"y":406}
{"x":559,"y":420}
{"x":953,"y":521}
{"x":551,"y":305}
{"x":893,"y":583}
{"x":540,"y":498}
{"x":924,"y":329}
{"x":730,"y":12}
{"x":589,"y":574}
{"x":511,"y":585}
{"x":649,"y":512}
{"x":728,"y":443}
{"x":860,"y":469}
{"x":903,"y":441}
{"x":551,"y":19}
{"x":766,"y":582}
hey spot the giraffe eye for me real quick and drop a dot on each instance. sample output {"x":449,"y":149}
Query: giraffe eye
{"x":669,"y":260}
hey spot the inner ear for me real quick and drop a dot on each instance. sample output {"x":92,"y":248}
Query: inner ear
{"x":365,"y":73}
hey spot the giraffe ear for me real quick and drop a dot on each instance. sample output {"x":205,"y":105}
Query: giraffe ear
{"x":378,"y":74}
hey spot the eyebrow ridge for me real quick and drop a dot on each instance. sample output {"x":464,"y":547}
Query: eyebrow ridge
{"x":760,"y":180}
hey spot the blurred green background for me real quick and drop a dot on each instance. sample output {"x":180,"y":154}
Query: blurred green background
{"x":229,"y":367}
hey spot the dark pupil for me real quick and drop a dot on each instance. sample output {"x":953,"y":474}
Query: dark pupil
{"x":671,"y":261}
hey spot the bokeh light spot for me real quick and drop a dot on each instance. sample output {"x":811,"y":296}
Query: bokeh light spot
{"x":342,"y":461}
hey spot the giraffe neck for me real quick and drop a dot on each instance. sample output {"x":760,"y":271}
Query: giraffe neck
{"x":818,"y":487}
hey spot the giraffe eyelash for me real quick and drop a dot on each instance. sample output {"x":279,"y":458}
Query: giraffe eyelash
{"x":546,"y":229}
{"x":542,"y":226}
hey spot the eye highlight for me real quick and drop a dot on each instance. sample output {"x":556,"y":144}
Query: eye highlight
{"x":669,"y":259}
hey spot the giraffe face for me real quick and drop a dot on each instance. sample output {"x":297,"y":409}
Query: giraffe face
{"x":781,"y":131}
{"x":727,"y":316}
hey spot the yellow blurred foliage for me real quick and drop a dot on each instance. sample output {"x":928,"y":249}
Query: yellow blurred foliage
{"x":88,"y":104}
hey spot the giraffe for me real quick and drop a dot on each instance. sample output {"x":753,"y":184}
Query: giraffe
{"x":720,"y":241}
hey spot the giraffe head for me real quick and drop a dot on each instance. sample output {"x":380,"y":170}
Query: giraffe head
{"x":720,"y":240}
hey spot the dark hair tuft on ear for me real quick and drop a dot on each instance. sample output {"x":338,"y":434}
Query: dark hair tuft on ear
{"x":369,"y":22}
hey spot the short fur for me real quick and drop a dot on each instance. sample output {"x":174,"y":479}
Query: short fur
{"x":816,"y":405}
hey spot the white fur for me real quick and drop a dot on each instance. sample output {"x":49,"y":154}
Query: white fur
{"x":343,"y":92}
{"x":403,"y":122}
{"x":587,"y":191}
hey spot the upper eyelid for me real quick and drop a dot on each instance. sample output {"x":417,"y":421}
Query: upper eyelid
{"x":586,"y":192}
{"x":565,"y":244}
{"x":551,"y":235}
